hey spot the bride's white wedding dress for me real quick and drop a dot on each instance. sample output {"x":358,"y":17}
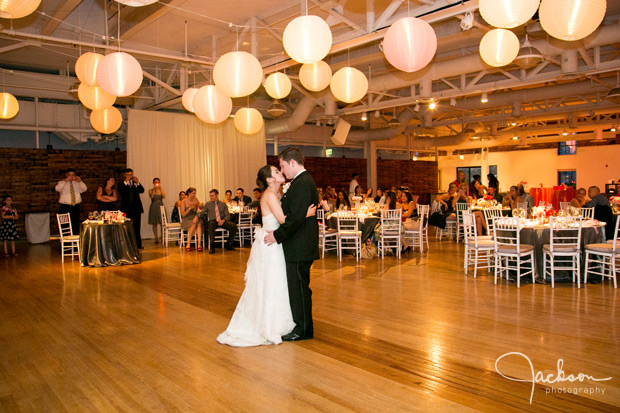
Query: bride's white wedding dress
{"x":263,"y":314}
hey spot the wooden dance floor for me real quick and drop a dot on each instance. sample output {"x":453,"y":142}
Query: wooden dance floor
{"x":409,"y":335}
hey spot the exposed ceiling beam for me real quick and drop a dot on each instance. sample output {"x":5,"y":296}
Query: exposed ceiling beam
{"x":142,"y":15}
{"x":16,"y":46}
{"x":62,"y":11}
{"x":161,"y":83}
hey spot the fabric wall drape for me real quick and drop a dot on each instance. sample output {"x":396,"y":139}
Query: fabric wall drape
{"x":182,"y":151}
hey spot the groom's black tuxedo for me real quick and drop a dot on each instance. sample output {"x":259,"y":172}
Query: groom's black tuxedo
{"x":299,"y":236}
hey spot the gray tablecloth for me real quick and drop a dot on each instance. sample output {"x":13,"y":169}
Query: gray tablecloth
{"x":108,"y":244}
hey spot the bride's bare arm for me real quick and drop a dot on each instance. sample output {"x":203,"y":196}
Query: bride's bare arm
{"x":273,"y":204}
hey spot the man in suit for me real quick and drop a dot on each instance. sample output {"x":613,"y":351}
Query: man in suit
{"x":130,"y":190}
{"x":299,"y":236}
{"x":246,"y":200}
{"x":215,"y":213}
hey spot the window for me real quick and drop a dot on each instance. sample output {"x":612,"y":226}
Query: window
{"x":470,"y":171}
{"x":567,"y":148}
{"x":568,"y":178}
{"x":493,"y":169}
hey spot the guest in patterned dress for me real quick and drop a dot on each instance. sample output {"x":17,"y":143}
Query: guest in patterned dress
{"x":8,"y":228}
{"x":157,"y":195}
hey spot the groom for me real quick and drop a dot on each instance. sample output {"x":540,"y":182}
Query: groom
{"x":299,"y":236}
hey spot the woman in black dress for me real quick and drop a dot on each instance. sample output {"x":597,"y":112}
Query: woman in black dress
{"x":107,"y":195}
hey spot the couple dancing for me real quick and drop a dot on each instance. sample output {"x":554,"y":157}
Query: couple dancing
{"x":276,"y":304}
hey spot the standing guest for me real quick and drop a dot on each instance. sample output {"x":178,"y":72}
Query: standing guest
{"x":190,"y":207}
{"x":176,"y":215}
{"x":107,"y":195}
{"x":217,"y":216}
{"x":493,"y":182}
{"x":380,"y":198}
{"x":510,"y":199}
{"x":8,"y":228}
{"x":580,"y":200}
{"x":342,"y":202}
{"x":461,"y":179}
{"x":596,"y":198}
{"x":353,"y":184}
{"x":130,"y":190}
{"x":242,"y":199}
{"x":70,"y":189}
{"x":157,"y":195}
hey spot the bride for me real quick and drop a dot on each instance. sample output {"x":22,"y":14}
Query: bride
{"x":263,"y":314}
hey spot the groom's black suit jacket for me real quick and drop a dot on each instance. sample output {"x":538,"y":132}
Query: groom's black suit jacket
{"x":299,"y":235}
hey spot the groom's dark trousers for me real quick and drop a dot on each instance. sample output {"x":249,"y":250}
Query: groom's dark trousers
{"x":299,"y":292}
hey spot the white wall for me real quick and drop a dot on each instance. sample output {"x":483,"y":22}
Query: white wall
{"x":595,"y":165}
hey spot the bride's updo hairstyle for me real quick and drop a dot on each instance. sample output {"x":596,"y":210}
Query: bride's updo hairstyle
{"x":261,"y":178}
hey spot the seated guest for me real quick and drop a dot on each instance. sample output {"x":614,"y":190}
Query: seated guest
{"x":579,"y":200}
{"x":492,"y":192}
{"x":368,"y":195}
{"x":448,"y":201}
{"x":216,"y":215}
{"x":325,"y":202}
{"x":342,"y":202}
{"x":380,"y":198}
{"x":409,"y":211}
{"x":510,"y":199}
{"x":175,"y":216}
{"x":228,"y":199}
{"x":596,"y":198}
{"x":107,"y":195}
{"x":461,"y":179}
{"x":258,"y":217}
{"x":476,"y":189}
{"x":524,"y":197}
{"x":190,"y":207}
{"x":359,"y":192}
{"x":462,"y":197}
{"x":408,"y":204}
{"x":390,"y":200}
{"x":242,"y":199}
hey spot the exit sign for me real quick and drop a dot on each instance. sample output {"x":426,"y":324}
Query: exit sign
{"x":328,"y":152}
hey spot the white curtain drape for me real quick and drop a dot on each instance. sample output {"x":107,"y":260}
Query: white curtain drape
{"x":182,"y":151}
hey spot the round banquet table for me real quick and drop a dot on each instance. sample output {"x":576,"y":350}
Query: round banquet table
{"x":108,"y":244}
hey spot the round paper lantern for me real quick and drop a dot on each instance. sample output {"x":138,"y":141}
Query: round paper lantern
{"x":507,"y":14}
{"x":237,"y":74}
{"x":211,"y":105}
{"x":278,"y":85}
{"x":315,"y":76}
{"x":86,"y":68}
{"x":15,"y":9}
{"x":107,"y":120}
{"x":349,"y":85}
{"x":8,"y":106}
{"x":94,"y":98}
{"x":307,"y":39}
{"x":119,"y":74}
{"x":248,"y":121}
{"x":136,"y":3}
{"x":499,"y":47}
{"x":571,"y":19}
{"x":409,"y":44}
{"x":188,"y":99}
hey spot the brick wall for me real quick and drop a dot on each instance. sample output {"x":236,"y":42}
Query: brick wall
{"x":30,"y":175}
{"x":419,"y":176}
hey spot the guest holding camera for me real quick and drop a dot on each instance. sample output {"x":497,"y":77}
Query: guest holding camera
{"x":70,"y":190}
{"x":130,"y":190}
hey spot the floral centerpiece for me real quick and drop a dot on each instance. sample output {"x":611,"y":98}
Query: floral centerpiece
{"x":234,"y":208}
{"x":543,"y":213}
{"x":486,"y":202}
{"x":357,"y":200}
{"x":614,"y":201}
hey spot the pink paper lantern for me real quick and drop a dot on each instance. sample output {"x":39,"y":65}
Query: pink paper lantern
{"x":410,"y":44}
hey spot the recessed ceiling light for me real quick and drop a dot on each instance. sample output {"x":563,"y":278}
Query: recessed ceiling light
{"x":484,"y":98}
{"x":432,"y":105}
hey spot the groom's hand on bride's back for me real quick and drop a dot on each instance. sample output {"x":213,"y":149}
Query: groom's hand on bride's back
{"x":269,"y":238}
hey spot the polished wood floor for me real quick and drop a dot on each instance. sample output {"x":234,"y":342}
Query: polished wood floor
{"x":409,"y":335}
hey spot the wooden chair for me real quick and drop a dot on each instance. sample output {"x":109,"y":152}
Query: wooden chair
{"x":478,"y":252}
{"x":348,"y":231}
{"x":170,"y":231}
{"x":564,"y":247}
{"x":606,"y":256}
{"x":390,"y":231}
{"x":509,"y":252}
{"x":69,"y":244}
{"x":326,"y":235}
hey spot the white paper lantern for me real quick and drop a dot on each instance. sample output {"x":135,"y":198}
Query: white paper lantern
{"x":507,"y":14}
{"x":278,"y":85}
{"x":136,"y":3}
{"x":86,"y":68}
{"x":8,"y":106}
{"x":188,"y":99}
{"x":237,"y":74}
{"x":15,"y":9}
{"x":315,"y":76}
{"x":307,"y":39}
{"x":248,"y":121}
{"x":95,"y":98}
{"x":119,"y":74}
{"x":410,"y":44}
{"x":211,"y":105}
{"x":571,"y":19}
{"x":107,"y":120}
{"x":499,"y":47}
{"x":349,"y":85}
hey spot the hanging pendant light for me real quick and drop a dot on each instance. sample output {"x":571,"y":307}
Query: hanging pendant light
{"x":315,"y":76}
{"x":499,"y":47}
{"x":528,"y":55}
{"x":278,"y":85}
{"x":248,"y":121}
{"x":349,"y":85}
{"x":8,"y":106}
{"x":86,"y":68}
{"x":571,"y":19}
{"x":276,"y":109}
{"x":237,"y":74}
{"x":119,"y":74}
{"x":307,"y":39}
{"x":410,"y":44}
{"x":107,"y":120}
{"x":95,"y":98}
{"x":16,"y":9}
{"x":211,"y":105}
{"x":188,"y":99}
{"x":507,"y":14}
